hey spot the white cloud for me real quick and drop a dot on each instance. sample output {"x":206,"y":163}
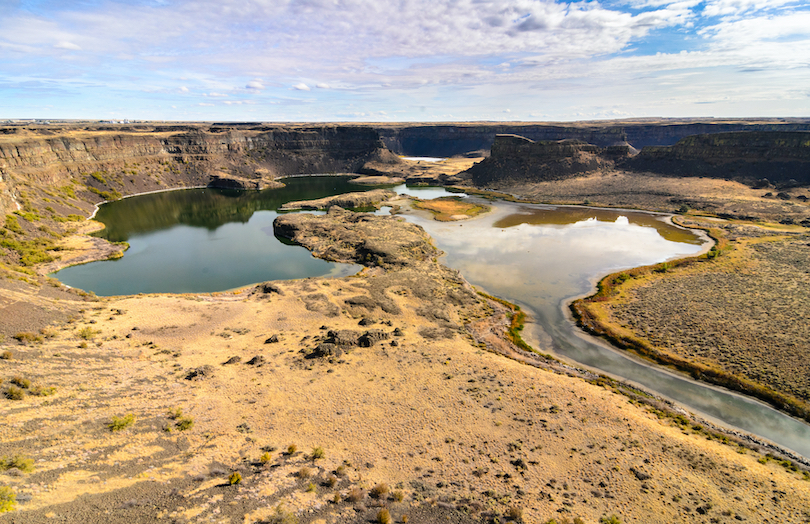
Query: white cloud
{"x":68,"y":45}
{"x":301,"y":87}
{"x":254,"y":85}
{"x":183,"y":89}
{"x":216,"y":95}
{"x":322,"y":85}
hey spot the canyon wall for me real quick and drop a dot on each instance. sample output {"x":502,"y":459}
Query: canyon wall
{"x":783,"y":158}
{"x":456,"y":139}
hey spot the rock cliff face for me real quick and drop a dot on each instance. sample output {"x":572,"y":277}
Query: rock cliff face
{"x":449,"y":140}
{"x":781,"y":157}
{"x":129,"y":160}
{"x":517,"y":159}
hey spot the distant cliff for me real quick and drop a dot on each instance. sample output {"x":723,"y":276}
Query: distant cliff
{"x":517,"y":159}
{"x":444,"y":140}
{"x":780,"y":157}
{"x":107,"y":162}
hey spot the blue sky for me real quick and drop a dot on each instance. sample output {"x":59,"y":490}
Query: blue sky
{"x":404,"y":60}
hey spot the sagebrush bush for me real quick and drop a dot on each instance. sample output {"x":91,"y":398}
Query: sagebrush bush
{"x":384,"y":516}
{"x":119,"y":423}
{"x":235,"y":478}
{"x":8,"y":499}
{"x":20,"y":462}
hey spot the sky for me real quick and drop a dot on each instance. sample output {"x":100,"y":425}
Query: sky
{"x":403,"y":60}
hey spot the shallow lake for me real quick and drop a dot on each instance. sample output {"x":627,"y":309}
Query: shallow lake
{"x":544,"y":256}
{"x":538,"y":256}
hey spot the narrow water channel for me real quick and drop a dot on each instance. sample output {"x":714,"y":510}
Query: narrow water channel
{"x":542,"y":257}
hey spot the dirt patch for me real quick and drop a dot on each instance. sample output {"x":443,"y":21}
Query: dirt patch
{"x":448,"y":209}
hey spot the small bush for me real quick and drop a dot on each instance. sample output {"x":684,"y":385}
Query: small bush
{"x":20,"y":381}
{"x":6,"y":355}
{"x":14,"y":393}
{"x":613,"y":519}
{"x":311,"y":488}
{"x":8,"y":499}
{"x":399,"y":496}
{"x":384,"y":516}
{"x":291,"y":449}
{"x":184,"y":423}
{"x":235,"y":478}
{"x":119,"y":423}
{"x":304,"y":473}
{"x":282,"y":516}
{"x":28,"y":338}
{"x":379,"y":491}
{"x":87,"y":333}
{"x":21,"y":462}
{"x":515,"y":513}
{"x":355,"y":495}
{"x":41,"y":391}
{"x":318,"y":453}
{"x":265,"y":458}
{"x":331,"y":481}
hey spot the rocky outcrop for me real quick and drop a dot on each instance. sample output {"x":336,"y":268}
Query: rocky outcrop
{"x":344,"y":236}
{"x":355,"y":200}
{"x":783,"y":158}
{"x":518,"y":159}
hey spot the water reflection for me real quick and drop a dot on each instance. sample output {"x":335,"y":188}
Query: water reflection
{"x":542,"y":257}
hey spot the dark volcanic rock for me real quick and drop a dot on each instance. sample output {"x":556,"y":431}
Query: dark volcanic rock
{"x":518,"y":159}
{"x":745,"y":156}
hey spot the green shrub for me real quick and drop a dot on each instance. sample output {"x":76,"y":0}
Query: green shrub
{"x":119,"y":423}
{"x":14,"y":393}
{"x":41,"y":391}
{"x":88,"y":333}
{"x":184,"y":423}
{"x":265,"y":458}
{"x":311,"y":488}
{"x":291,"y":449}
{"x":21,"y":381}
{"x":318,"y":453}
{"x":304,"y":473}
{"x":613,"y":519}
{"x":8,"y":499}
{"x":235,"y":478}
{"x":99,"y":177}
{"x":21,"y":462}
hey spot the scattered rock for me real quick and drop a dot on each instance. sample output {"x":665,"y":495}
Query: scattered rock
{"x":200,"y":373}
{"x":258,"y":360}
{"x":232,"y":360}
{"x":272,"y":340}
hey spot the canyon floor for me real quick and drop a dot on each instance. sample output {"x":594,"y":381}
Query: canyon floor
{"x":335,"y":398}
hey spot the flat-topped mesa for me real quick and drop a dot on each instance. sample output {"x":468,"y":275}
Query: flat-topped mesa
{"x":780,"y":157}
{"x":363,"y":238}
{"x":518,"y":159}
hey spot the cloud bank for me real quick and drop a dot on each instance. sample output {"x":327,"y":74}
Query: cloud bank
{"x":415,"y":60}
